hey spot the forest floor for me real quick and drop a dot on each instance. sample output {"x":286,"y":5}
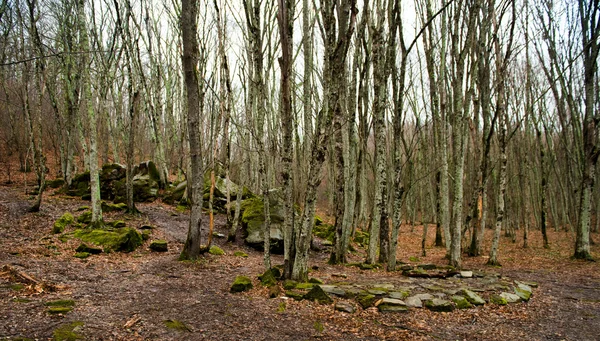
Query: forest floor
{"x":129,"y":296}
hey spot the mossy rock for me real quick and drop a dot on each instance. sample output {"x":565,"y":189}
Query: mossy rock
{"x":159,"y":245}
{"x":269,"y":277}
{"x":216,"y":251}
{"x":319,"y":295}
{"x":499,"y":300}
{"x":315,"y":280}
{"x":240,"y":284}
{"x":461,"y":302}
{"x":59,"y":310}
{"x":82,"y":255}
{"x":82,"y":208}
{"x":85,"y":217}
{"x":146,"y":235}
{"x":108,"y":207}
{"x":62,"y":222}
{"x":176,"y":325}
{"x":60,"y":303}
{"x":89,"y":249}
{"x":253,"y":220}
{"x":240,"y":254}
{"x":68,"y":332}
{"x":524,"y":291}
{"x":439,"y":305}
{"x":366,"y":300}
{"x":123,"y":240}
{"x":391,"y":305}
{"x":324,"y":231}
{"x":361,"y":238}
{"x":305,"y":286}
{"x":56,"y":183}
{"x":289,"y":284}
{"x":117,"y":224}
{"x":296,"y":295}
{"x":472,"y":297}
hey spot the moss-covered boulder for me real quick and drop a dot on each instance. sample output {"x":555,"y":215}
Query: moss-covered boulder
{"x":524,"y":291}
{"x":80,"y":185}
{"x":439,"y":305}
{"x":497,"y":299}
{"x":289,"y":284}
{"x":82,"y":255}
{"x":159,"y":246}
{"x":108,"y":207}
{"x":123,"y":240}
{"x":68,"y":332}
{"x":56,"y":183}
{"x":319,"y":295}
{"x":176,"y":325}
{"x":85,"y":217}
{"x":472,"y":297}
{"x":62,"y":222}
{"x":296,"y":295}
{"x":461,"y":302}
{"x":324,"y":231}
{"x":240,"y":284}
{"x":215,"y":250}
{"x":361,"y":238}
{"x":366,"y":300}
{"x":269,"y":278}
{"x":253,"y":220}
{"x":175,"y":193}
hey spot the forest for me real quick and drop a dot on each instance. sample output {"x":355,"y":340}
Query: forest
{"x":371,"y":156}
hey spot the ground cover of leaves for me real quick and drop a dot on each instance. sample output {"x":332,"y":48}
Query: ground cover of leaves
{"x":146,"y":295}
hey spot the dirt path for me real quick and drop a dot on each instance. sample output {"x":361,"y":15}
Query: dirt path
{"x":112,"y":289}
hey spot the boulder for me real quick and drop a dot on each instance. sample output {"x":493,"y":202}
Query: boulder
{"x":62,"y":222}
{"x":366,"y":300}
{"x":472,"y":297}
{"x":510,"y":298}
{"x":413,"y":302}
{"x":159,"y":246}
{"x":216,"y":251}
{"x":80,"y":185}
{"x":56,"y":183}
{"x":88,"y":249}
{"x":240,"y":284}
{"x":524,"y":291}
{"x":269,"y":277}
{"x":497,"y":299}
{"x":345,"y":307}
{"x":391,"y":305}
{"x":85,"y":217}
{"x":317,"y":294}
{"x":253,"y":220}
{"x":461,"y":302}
{"x":175,"y":193}
{"x":124,"y":239}
{"x":439,"y":305}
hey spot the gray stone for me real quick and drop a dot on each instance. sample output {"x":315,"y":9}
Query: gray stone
{"x":345,"y":307}
{"x":472,"y":297}
{"x":466,"y":274}
{"x":413,"y":302}
{"x":437,"y":304}
{"x":376,"y":292}
{"x":510,"y":298}
{"x":524,"y":291}
{"x":386,"y":286}
{"x":424,"y":297}
{"x":399,"y":295}
{"x":391,"y":305}
{"x":333,"y":290}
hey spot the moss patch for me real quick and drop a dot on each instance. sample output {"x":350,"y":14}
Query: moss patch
{"x":269,"y":277}
{"x":17,"y":286}
{"x":89,"y":249}
{"x":177,"y":325}
{"x":68,"y":332}
{"x":59,"y":310}
{"x":120,"y":207}
{"x":215,"y":250}
{"x":60,"y":303}
{"x":125,"y":239}
{"x":82,"y":255}
{"x":240,"y":254}
{"x":62,"y":222}
{"x":159,"y":245}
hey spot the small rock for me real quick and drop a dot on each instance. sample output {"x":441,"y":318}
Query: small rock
{"x":289,"y":284}
{"x":159,"y":246}
{"x":296,"y":295}
{"x":377,"y":292}
{"x":269,"y":277}
{"x":315,"y":280}
{"x":384,"y":286}
{"x":461,"y":302}
{"x":439,"y":305}
{"x":524,"y":291}
{"x":391,"y":305}
{"x":399,"y":295}
{"x":215,"y":250}
{"x":240,"y":284}
{"x":240,"y":254}
{"x":427,"y":266}
{"x":345,"y":307}
{"x":510,"y":298}
{"x":366,"y":300}
{"x":317,"y":294}
{"x":82,"y":255}
{"x":339,"y":275}
{"x":472,"y":297}
{"x":413,"y":302}
{"x":333,"y":290}
{"x":499,"y":300}
{"x":466,"y":274}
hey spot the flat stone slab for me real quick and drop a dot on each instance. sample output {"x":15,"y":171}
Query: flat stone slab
{"x":391,"y":305}
{"x":437,"y":304}
{"x":524,"y":291}
{"x":345,"y":307}
{"x":472,"y":297}
{"x":333,"y":290}
{"x":424,"y":297}
{"x":466,"y":274}
{"x":510,"y":298}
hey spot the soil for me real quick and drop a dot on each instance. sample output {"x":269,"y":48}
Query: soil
{"x":129,"y":296}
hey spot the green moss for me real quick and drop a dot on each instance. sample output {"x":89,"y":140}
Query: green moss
{"x":240,"y":254}
{"x":117,"y":224}
{"x":296,"y":295}
{"x":85,"y":217}
{"x":62,"y":222}
{"x":366,"y":300}
{"x":317,"y":294}
{"x":215,"y":250}
{"x":68,"y":332}
{"x":89,"y":249}
{"x":241,"y":283}
{"x":289,"y":284}
{"x":324,"y":231}
{"x":159,"y":245}
{"x":177,"y":325}
{"x":414,"y":259}
{"x":82,"y":255}
{"x":17,"y":286}
{"x":305,"y":286}
{"x":125,"y":239}
{"x":108,"y":207}
{"x":269,"y":277}
{"x":59,"y":310}
{"x":83,"y":208}
{"x":146,"y":235}
{"x":361,"y":238}
{"x":181,"y":208}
